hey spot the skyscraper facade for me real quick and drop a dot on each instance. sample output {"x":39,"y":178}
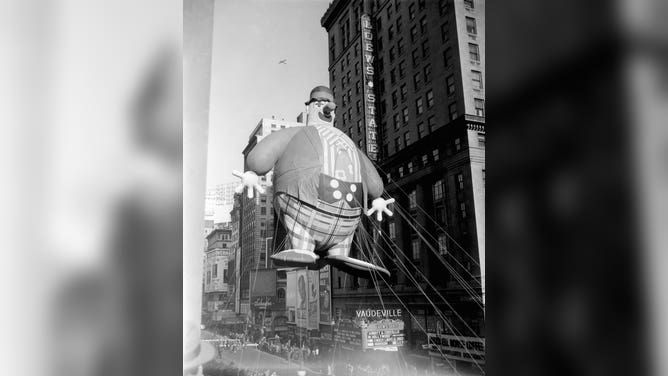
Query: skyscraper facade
{"x":408,"y":79}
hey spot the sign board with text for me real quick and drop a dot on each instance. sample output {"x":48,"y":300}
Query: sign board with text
{"x":467,"y":349}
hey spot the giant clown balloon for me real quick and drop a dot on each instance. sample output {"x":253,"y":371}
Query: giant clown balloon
{"x":321,"y":183}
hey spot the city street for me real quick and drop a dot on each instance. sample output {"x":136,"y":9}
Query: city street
{"x":256,"y":360}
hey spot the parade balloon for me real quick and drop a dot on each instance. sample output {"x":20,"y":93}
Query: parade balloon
{"x":321,"y":183}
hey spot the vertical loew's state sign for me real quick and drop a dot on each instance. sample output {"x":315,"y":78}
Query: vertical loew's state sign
{"x":369,"y":96}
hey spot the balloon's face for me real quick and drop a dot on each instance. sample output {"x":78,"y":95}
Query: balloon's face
{"x":321,"y":112}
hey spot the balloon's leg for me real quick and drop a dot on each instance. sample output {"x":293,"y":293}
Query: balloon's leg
{"x":303,"y":246}
{"x":338,"y":257}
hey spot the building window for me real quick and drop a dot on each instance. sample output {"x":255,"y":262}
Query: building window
{"x":430,"y":99}
{"x":402,"y":68}
{"x":215,"y":270}
{"x":469,"y":4}
{"x":423,"y":24}
{"x":390,"y":32}
{"x":410,"y":165}
{"x":381,"y":65}
{"x":427,"y":73}
{"x":397,"y":147}
{"x":383,"y":107}
{"x":425,"y":159}
{"x":425,"y":48}
{"x":442,"y":244}
{"x":419,"y":106}
{"x":379,"y":45}
{"x":444,"y":32}
{"x":407,"y":141}
{"x":399,"y":25}
{"x":379,"y":23}
{"x":416,"y":80}
{"x":476,"y":77}
{"x":263,"y":211}
{"x":393,"y":76}
{"x":460,"y":181}
{"x":381,"y":85}
{"x":394,"y":98}
{"x":437,"y":190}
{"x":400,"y":46}
{"x":392,"y":54}
{"x":450,"y":83}
{"x":412,"y":200}
{"x":462,"y":209}
{"x":416,"y":57}
{"x":421,"y":132}
{"x":421,"y":4}
{"x":411,"y":11}
{"x":348,"y":81}
{"x":442,"y":7}
{"x":435,"y":154}
{"x":404,"y":92}
{"x":392,"y":230}
{"x":470,"y":26}
{"x":415,"y":244}
{"x":405,"y":113}
{"x":447,"y":57}
{"x":401,"y":171}
{"x":479,"y":107}
{"x":431,"y":124}
{"x":413,"y":33}
{"x":359,"y":107}
{"x":458,"y":144}
{"x":481,"y":140}
{"x":474,"y":52}
{"x":359,"y":126}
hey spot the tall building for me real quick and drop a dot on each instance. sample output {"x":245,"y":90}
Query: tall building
{"x":235,"y":252}
{"x":216,"y":274}
{"x":408,"y":79}
{"x":257,"y":226}
{"x":219,"y":202}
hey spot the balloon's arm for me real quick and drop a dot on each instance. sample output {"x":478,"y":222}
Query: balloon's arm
{"x":265,"y":154}
{"x":370,"y":177}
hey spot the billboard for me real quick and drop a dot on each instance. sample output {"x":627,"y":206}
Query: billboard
{"x":301,"y":312}
{"x":313,"y":299}
{"x":369,"y":96}
{"x":467,"y":349}
{"x":263,"y":283}
{"x":291,"y":292}
{"x":325,"y":292}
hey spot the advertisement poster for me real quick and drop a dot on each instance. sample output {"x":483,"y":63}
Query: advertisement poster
{"x":301,"y":312}
{"x":291,"y":293}
{"x":325,"y":296}
{"x":313,"y":299}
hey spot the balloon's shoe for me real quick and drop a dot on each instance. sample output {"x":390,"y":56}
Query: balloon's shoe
{"x":295,"y":257}
{"x":354,"y":266}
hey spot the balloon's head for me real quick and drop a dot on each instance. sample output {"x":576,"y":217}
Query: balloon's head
{"x":321,"y":107}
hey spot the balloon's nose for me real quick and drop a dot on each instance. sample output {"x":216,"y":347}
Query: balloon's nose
{"x":329,"y":107}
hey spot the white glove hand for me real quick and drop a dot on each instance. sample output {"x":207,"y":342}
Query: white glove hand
{"x":248,"y":180}
{"x":379,"y":206}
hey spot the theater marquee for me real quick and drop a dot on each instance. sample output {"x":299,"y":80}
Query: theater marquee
{"x":369,"y":96}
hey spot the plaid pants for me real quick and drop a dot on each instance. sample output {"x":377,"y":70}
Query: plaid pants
{"x":321,"y":228}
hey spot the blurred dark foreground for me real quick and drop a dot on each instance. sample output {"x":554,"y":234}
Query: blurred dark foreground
{"x":577,"y":188}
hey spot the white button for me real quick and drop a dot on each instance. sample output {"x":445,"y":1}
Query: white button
{"x":334,"y":183}
{"x":353,"y":187}
{"x":349,"y":197}
{"x":337,"y":195}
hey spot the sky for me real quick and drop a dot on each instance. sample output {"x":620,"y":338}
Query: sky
{"x":247,"y":81}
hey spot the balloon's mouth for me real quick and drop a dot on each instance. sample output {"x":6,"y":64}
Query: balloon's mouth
{"x":323,"y":117}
